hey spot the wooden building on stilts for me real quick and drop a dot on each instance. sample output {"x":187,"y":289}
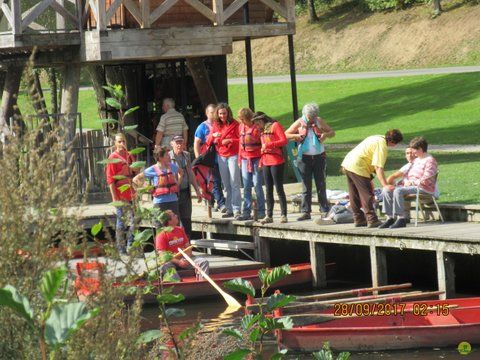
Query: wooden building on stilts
{"x":153,"y":48}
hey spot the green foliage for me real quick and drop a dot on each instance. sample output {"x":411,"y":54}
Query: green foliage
{"x":137,"y":151}
{"x":138,"y":164}
{"x":149,"y":336}
{"x":238,"y":354}
{"x":327,"y":354}
{"x":270,"y":277}
{"x":109,"y":161}
{"x":240,"y":285}
{"x":10,"y":298}
{"x":124,"y":187}
{"x":278,"y":301}
{"x":233,"y":332}
{"x":116,"y":99}
{"x":96,"y":228}
{"x":51,"y":282}
{"x":174,"y":312}
{"x":170,"y":298}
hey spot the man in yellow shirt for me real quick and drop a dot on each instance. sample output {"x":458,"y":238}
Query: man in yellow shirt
{"x":360,"y":164}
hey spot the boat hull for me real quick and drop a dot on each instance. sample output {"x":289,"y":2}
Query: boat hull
{"x":394,"y":332}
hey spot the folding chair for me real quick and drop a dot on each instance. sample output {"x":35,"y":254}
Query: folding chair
{"x":424,"y":199}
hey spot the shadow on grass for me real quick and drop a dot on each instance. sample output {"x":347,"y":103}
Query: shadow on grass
{"x":382,"y":105}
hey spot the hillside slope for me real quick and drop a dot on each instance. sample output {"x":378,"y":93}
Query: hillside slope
{"x":352,"y":40}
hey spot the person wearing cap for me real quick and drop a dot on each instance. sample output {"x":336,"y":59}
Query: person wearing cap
{"x":172,"y":123}
{"x":181,"y":159}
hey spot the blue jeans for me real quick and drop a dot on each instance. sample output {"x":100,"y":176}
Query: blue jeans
{"x":125,"y":216}
{"x":230,"y":174}
{"x":217,"y":188}
{"x":252,"y":179}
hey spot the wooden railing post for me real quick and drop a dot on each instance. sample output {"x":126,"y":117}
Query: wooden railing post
{"x":290,"y":7}
{"x":218,"y":10}
{"x":17,"y":17}
{"x":145,"y":10}
{"x":59,"y":20}
{"x":102,"y":15}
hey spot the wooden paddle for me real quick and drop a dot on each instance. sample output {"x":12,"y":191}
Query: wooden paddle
{"x":231,"y":301}
{"x":340,"y":294}
{"x":311,"y":319}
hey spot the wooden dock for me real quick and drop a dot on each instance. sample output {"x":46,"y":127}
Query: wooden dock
{"x":441,"y":239}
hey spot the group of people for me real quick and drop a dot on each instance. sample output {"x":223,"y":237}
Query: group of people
{"x":249,"y":151}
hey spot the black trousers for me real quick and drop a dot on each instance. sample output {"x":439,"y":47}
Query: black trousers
{"x":273,"y":175}
{"x":313,"y":166}
{"x":185,"y":209}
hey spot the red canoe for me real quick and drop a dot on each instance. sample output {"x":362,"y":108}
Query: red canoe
{"x":192,"y":288}
{"x":417,"y":327}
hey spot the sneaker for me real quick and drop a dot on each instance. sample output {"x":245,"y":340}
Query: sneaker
{"x":374,"y":224}
{"x":400,"y":223}
{"x":304,"y":216}
{"x":283,"y":220}
{"x":360,"y":224}
{"x":237,"y":216}
{"x":324,"y":221}
{"x":244,"y":218}
{"x":223,"y":209}
{"x":387,"y":223}
{"x":266,"y":220}
{"x":227,"y":215}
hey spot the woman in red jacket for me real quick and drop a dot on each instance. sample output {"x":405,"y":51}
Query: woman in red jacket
{"x":225,"y":135}
{"x":273,"y":163}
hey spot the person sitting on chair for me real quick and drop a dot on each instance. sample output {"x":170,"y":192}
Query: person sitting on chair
{"x":420,"y":176}
{"x":172,"y":240}
{"x":402,"y":173}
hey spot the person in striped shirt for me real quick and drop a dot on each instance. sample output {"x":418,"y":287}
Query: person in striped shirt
{"x":172,"y":123}
{"x":420,"y":176}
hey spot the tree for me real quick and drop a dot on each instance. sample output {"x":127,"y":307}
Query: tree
{"x":312,"y":13}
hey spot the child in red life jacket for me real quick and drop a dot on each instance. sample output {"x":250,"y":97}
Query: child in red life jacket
{"x":249,"y":155}
{"x":119,"y":177}
{"x":172,"y":240}
{"x":273,"y":163}
{"x":165,"y":177}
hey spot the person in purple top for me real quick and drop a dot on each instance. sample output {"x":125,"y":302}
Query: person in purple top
{"x":199,"y":147}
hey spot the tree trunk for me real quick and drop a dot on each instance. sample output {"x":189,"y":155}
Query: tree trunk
{"x":9,"y":97}
{"x":200,"y":77}
{"x":52,"y":81}
{"x":437,"y":7}
{"x":312,"y":13}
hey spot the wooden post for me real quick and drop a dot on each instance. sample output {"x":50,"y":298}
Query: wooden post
{"x":201,"y":79}
{"x":102,"y":15}
{"x":17,"y":17}
{"x":293,"y":77}
{"x":10,"y":95}
{"x":69,"y":105}
{"x":317,"y":260}
{"x":145,"y":10}
{"x":290,"y":7}
{"x":218,"y":10}
{"x":262,"y":248}
{"x":446,"y":274}
{"x":378,"y":264}
{"x":248,"y":60}
{"x":60,"y":21}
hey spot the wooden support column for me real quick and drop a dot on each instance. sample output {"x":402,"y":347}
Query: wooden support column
{"x":262,"y":248}
{"x":293,"y":77}
{"x":445,"y":274}
{"x":202,"y":82}
{"x":378,"y":264}
{"x":17,"y":17}
{"x":317,"y":260}
{"x":248,"y":60}
{"x":60,"y":21}
{"x":10,"y":96}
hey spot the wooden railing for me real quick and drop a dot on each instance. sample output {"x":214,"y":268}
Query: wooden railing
{"x":22,"y":20}
{"x":75,"y":16}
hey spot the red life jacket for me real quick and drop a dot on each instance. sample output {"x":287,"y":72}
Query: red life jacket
{"x":166,"y":184}
{"x":203,"y":175}
{"x":248,"y":141}
{"x":305,"y":126}
{"x":125,"y":171}
{"x":267,"y":137}
{"x":204,"y":146}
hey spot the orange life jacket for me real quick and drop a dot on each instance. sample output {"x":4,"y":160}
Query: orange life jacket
{"x":166,"y":183}
{"x":305,"y":126}
{"x":248,"y":141}
{"x":267,"y":137}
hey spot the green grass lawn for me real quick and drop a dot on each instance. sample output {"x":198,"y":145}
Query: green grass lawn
{"x":458,"y":180}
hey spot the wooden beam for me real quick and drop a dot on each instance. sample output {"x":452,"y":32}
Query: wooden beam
{"x":202,"y":9}
{"x":145,"y":9}
{"x":162,"y":9}
{"x":233,"y":8}
{"x":17,"y":17}
{"x":133,"y":9}
{"x":8,"y":14}
{"x":59,"y":19}
{"x":290,"y":7}
{"x":102,"y":15}
{"x":112,"y":9}
{"x":86,"y":10}
{"x":262,"y":249}
{"x":378,"y":264}
{"x":65,"y":15}
{"x":34,"y":12}
{"x":317,"y":261}
{"x":279,"y":9}
{"x":69,"y":106}
{"x":218,"y":10}
{"x":445,"y":274}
